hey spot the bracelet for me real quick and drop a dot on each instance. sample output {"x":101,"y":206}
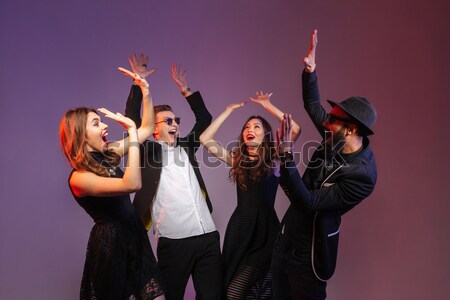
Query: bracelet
{"x":185,"y":92}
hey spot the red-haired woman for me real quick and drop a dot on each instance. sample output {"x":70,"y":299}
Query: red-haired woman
{"x":119,"y":261}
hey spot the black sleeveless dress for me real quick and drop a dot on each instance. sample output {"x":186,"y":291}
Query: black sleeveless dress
{"x":249,"y":240}
{"x":119,"y":260}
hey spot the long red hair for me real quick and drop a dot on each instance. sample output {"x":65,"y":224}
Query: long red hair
{"x":72,"y":134}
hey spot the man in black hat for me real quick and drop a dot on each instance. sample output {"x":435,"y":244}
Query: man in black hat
{"x":341,"y":173}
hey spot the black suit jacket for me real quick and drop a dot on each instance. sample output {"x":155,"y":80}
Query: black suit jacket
{"x":151,"y":152}
{"x":324,"y":193}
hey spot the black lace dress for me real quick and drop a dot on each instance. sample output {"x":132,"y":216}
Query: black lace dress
{"x":119,"y":260}
{"x":249,"y":240}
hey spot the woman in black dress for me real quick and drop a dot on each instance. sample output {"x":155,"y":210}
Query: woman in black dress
{"x":119,"y":261}
{"x":254,"y":225}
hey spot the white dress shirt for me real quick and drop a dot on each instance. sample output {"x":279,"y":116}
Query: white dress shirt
{"x":179,"y":209}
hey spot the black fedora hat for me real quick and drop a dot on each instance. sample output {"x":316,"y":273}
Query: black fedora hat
{"x":360,"y":109}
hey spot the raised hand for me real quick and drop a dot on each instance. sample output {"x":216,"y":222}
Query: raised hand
{"x":139,"y":65}
{"x":234,"y":106}
{"x":127,"y":123}
{"x":136,"y":77}
{"x":261,"y":98}
{"x":179,"y":76}
{"x":284,"y":141}
{"x":310,"y":59}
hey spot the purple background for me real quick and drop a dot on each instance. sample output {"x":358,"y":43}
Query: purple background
{"x":61,"y":54}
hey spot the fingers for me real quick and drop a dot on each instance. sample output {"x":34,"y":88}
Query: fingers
{"x":110,"y":115}
{"x":260,"y":96}
{"x":315,"y":35}
{"x":174,"y":71}
{"x":277,"y":135}
{"x":134,"y":59}
{"x":241,"y":104}
{"x":286,"y":129}
{"x":151,"y":71}
{"x":125,"y":71}
{"x":130,"y":74}
{"x":130,"y":61}
{"x":105,"y":111}
{"x":277,"y":138}
{"x":286,"y":126}
{"x":178,"y":71}
{"x":179,"y":76}
{"x":313,"y":39}
{"x":143,"y":61}
{"x":236,"y":105}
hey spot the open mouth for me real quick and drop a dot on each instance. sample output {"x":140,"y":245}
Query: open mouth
{"x":173,"y":132}
{"x":105,"y":133}
{"x":250,"y":137}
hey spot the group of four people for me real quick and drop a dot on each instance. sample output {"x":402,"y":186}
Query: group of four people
{"x":260,"y":259}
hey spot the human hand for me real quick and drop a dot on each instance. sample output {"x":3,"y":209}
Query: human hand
{"x":139,"y":65}
{"x":261,"y":98}
{"x":284,"y":142}
{"x":310,"y":59}
{"x":234,"y":106}
{"x":141,"y":81}
{"x":127,"y":123}
{"x":179,"y":76}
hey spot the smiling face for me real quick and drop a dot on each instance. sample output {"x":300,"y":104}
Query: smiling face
{"x":163,"y":131}
{"x":96,"y":132}
{"x":253,"y":132}
{"x":338,"y":122}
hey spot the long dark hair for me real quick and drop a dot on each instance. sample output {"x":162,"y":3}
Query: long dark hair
{"x":72,"y":134}
{"x":243,"y":167}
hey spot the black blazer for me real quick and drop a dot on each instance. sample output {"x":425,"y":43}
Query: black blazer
{"x":321,"y":196}
{"x":151,"y":152}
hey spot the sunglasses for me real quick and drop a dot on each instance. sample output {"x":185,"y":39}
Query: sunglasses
{"x":331,"y":119}
{"x":169,"y":121}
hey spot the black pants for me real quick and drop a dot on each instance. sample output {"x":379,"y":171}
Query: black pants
{"x":198,"y":256}
{"x":293,"y":277}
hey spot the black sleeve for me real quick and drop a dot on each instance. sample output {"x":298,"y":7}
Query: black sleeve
{"x":349,"y":190}
{"x":133,"y":106}
{"x":202,"y":119}
{"x":311,"y":100}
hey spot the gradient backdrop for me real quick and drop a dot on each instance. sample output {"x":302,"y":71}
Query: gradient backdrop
{"x":55,"y":55}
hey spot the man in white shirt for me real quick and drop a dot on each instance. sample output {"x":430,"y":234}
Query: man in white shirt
{"x":174,"y":198}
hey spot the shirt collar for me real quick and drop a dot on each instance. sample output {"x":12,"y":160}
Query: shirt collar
{"x":165,"y":146}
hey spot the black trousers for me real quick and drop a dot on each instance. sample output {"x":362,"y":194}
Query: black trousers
{"x":198,"y":256}
{"x":292,"y":275}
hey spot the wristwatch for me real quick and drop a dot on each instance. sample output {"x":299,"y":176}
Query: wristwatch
{"x":287,"y":156}
{"x":185,"y":92}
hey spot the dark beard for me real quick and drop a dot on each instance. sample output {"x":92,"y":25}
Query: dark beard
{"x":336,"y":143}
